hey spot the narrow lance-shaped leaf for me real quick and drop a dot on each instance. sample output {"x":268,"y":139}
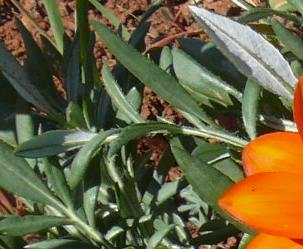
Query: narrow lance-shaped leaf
{"x":207,"y":181}
{"x":150,"y":74}
{"x":17,"y":177}
{"x":19,"y":226}
{"x":85,"y":155}
{"x":250,"y":107}
{"x":72,"y":77}
{"x":60,"y":243}
{"x":38,"y":69}
{"x":113,"y":20}
{"x":18,"y":78}
{"x":156,"y":239}
{"x":55,"y":20}
{"x":117,"y":97}
{"x":298,"y":4}
{"x":255,"y":14}
{"x":56,"y":178}
{"x":289,"y":39}
{"x":249,"y":51}
{"x":53,"y":143}
{"x":200,"y":80}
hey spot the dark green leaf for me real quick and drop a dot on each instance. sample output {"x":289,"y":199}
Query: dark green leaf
{"x":17,"y":177}
{"x":255,"y":14}
{"x":200,"y":81}
{"x":60,"y":244}
{"x":19,"y":226}
{"x":72,"y":77}
{"x":57,"y":180}
{"x":156,"y":239}
{"x":85,"y":155}
{"x":208,"y":182}
{"x":55,"y":20}
{"x":250,"y":105}
{"x":19,"y":79}
{"x":210,"y":57}
{"x":83,"y":29}
{"x":293,"y":42}
{"x":53,"y":143}
{"x":137,"y":130}
{"x":118,"y":98}
{"x":150,"y":74}
{"x":74,"y":116}
{"x":113,"y":20}
{"x":38,"y":68}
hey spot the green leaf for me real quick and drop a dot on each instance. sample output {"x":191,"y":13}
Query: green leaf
{"x":18,"y":78}
{"x":89,"y":204}
{"x":298,"y":4}
{"x":113,"y":20}
{"x":255,"y":14}
{"x":150,"y":74}
{"x":137,"y":130}
{"x":53,"y":143}
{"x":118,"y":98}
{"x":156,"y":239}
{"x":85,"y":155}
{"x":199,"y":80}
{"x":168,"y":190}
{"x":250,"y":105}
{"x":24,"y":123}
{"x":83,"y":29}
{"x":245,"y":241}
{"x":60,"y":244}
{"x":166,"y":60}
{"x":38,"y":69}
{"x":72,"y":78}
{"x":55,"y":20}
{"x":19,"y":226}
{"x":74,"y":116}
{"x":17,"y":177}
{"x":289,"y":39}
{"x":237,"y":41}
{"x":57,"y":180}
{"x":11,"y":242}
{"x":210,"y":57}
{"x":208,"y":182}
{"x":200,"y":175}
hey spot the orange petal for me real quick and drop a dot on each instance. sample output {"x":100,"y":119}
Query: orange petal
{"x":298,"y":106}
{"x":270,"y":203}
{"x":265,"y":241}
{"x":274,"y":152}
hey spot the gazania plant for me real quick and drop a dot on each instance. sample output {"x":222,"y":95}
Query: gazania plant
{"x":71,"y":133}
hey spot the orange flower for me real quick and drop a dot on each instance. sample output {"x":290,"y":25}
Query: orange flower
{"x":270,"y":198}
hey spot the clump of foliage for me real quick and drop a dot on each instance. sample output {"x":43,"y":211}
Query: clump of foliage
{"x":73,"y":161}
